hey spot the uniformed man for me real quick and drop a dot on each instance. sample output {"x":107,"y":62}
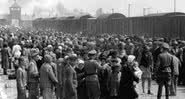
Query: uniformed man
{"x":71,"y":83}
{"x":33,"y":75}
{"x":164,"y":70}
{"x":47,"y":78}
{"x":92,"y":83}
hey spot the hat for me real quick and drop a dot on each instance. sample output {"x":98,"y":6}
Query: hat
{"x":34,"y":52}
{"x":92,"y":52}
{"x":72,"y":57}
{"x":165,"y":45}
{"x":174,"y":42}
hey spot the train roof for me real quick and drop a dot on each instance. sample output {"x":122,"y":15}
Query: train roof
{"x":165,"y":14}
{"x":111,"y":16}
{"x":83,"y":16}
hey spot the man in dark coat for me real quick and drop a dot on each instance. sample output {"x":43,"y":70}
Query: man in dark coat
{"x":5,"y":53}
{"x":127,"y":86}
{"x":164,"y":70}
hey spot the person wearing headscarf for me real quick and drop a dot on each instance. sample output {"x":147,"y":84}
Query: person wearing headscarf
{"x":16,"y":50}
{"x":21,"y":78}
{"x":128,"y":79}
{"x":48,"y":79}
{"x":81,"y":80}
{"x":33,"y":75}
{"x":114,"y":81}
{"x":103,"y":76}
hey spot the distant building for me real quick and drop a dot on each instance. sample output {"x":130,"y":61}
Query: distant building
{"x":15,"y":14}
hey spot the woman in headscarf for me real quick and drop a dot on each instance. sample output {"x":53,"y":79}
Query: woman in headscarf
{"x":81,"y":91}
{"x":129,"y":79}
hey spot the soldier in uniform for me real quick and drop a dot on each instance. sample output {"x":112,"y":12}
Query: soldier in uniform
{"x":21,"y":78}
{"x":33,"y":75}
{"x":47,"y":78}
{"x":71,"y":83}
{"x":92,"y":83}
{"x":164,"y":70}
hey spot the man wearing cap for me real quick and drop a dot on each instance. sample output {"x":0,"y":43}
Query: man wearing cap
{"x":33,"y":75}
{"x":164,"y":70}
{"x":70,"y":84}
{"x":92,"y":83}
{"x":47,"y":78}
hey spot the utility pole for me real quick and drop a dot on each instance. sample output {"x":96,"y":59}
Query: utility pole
{"x":129,"y":9}
{"x":148,"y":10}
{"x":144,"y":10}
{"x":112,"y":10}
{"x":174,"y":6}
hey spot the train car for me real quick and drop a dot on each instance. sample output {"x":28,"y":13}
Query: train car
{"x":91,"y":26}
{"x":109,"y":23}
{"x":157,"y":25}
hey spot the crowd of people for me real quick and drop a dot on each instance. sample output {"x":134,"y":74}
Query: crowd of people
{"x":72,"y":66}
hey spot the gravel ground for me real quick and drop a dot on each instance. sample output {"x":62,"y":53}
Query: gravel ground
{"x":8,"y":90}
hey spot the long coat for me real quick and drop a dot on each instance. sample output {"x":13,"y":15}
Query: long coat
{"x":60,"y":77}
{"x":127,"y":88}
{"x":5,"y":53}
{"x":70,"y":83}
{"x":47,"y":81}
{"x":21,"y":83}
{"x":33,"y":80}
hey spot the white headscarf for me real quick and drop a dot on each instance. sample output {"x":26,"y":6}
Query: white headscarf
{"x":131,"y":58}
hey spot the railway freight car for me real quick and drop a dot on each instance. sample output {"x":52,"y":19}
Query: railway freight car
{"x":110,"y":23}
{"x":69,"y":24}
{"x":168,"y":25}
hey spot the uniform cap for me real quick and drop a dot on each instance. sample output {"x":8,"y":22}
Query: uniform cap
{"x":165,"y":45}
{"x":72,"y":57}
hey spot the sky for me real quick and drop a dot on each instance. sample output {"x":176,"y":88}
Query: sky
{"x":90,"y":6}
